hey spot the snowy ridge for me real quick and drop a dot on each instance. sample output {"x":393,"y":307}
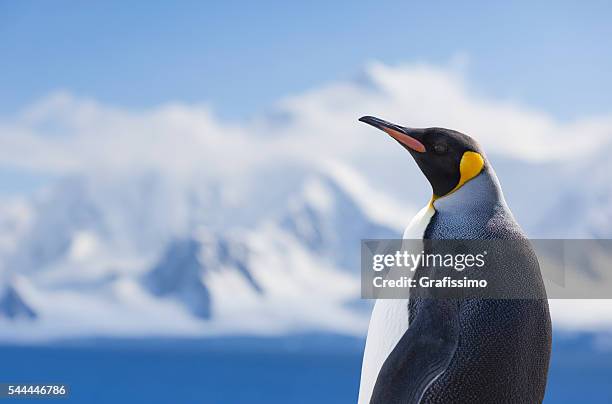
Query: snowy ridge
{"x":75,"y":273}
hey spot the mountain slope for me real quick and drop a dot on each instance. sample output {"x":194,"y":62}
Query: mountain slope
{"x":131,"y":266}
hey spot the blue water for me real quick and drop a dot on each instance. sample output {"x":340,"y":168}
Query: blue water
{"x":301,"y":370}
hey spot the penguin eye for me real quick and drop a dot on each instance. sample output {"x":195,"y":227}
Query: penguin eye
{"x":440,"y":148}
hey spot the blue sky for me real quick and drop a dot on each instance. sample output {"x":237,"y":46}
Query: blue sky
{"x":243,"y":56}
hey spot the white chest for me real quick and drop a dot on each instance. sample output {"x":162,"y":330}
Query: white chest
{"x":389,"y":320}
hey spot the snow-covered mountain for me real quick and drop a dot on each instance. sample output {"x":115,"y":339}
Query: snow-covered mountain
{"x":146,"y":256}
{"x":13,"y":307}
{"x":150,"y":258}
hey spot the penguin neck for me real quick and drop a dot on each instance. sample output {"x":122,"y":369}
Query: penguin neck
{"x":482,"y":192}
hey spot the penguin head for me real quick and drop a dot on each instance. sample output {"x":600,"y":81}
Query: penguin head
{"x":448,"y":158}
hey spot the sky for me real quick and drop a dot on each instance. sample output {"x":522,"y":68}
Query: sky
{"x":242,"y":57}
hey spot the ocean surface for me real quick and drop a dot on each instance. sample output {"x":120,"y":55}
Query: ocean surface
{"x":304,"y":369}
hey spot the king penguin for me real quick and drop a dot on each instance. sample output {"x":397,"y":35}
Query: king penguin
{"x":472,"y":350}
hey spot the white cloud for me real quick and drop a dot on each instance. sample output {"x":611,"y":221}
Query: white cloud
{"x":62,"y":133}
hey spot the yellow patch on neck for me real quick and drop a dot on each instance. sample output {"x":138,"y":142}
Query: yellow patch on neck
{"x":470,"y":166}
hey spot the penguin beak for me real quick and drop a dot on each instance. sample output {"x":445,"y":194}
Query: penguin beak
{"x":406,"y":136}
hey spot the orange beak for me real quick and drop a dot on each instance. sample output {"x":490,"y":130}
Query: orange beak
{"x":397,"y":132}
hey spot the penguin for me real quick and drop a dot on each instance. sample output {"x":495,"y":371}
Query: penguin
{"x":465,"y":350}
